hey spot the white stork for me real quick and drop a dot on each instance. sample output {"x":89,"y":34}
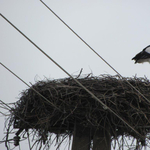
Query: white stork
{"x":143,"y":56}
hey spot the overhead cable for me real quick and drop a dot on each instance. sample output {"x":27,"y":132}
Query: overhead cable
{"x":93,"y":96}
{"x":29,"y":86}
{"x":94,"y":51}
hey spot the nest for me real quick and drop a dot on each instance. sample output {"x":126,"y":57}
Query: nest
{"x":69,"y":103}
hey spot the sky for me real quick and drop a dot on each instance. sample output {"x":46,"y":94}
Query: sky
{"x":117,"y":30}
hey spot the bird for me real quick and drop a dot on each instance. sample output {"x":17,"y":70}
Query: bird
{"x":143,"y":56}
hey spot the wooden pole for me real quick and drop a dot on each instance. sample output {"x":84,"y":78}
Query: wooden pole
{"x":81,"y":138}
{"x":101,"y":140}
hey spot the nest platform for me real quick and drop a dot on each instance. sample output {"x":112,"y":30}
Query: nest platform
{"x":70,"y":105}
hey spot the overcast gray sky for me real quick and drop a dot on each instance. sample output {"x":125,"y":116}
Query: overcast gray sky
{"x":116,"y":29}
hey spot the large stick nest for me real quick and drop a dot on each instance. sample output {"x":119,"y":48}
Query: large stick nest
{"x":71,"y":104}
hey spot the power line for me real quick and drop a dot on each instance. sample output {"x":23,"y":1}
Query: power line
{"x":93,"y":96}
{"x":28,"y":86}
{"x":94,"y":51}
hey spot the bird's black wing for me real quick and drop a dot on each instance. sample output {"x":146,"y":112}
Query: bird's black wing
{"x":145,"y":55}
{"x":141,"y":55}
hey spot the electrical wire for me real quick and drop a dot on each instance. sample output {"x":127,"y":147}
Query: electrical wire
{"x":29,"y":86}
{"x":93,"y":96}
{"x":94,"y":50}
